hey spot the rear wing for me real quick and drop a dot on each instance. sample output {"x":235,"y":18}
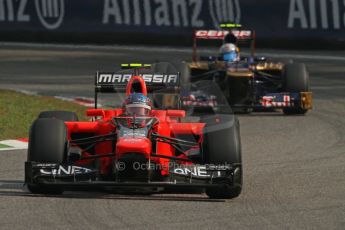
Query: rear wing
{"x":240,"y":36}
{"x":115,"y":82}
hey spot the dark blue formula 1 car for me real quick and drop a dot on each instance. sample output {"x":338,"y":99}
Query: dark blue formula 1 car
{"x":251,"y":83}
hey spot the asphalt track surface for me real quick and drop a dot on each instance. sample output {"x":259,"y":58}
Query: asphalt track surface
{"x":294,"y":166}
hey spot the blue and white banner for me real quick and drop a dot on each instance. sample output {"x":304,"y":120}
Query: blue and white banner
{"x":317,"y":19}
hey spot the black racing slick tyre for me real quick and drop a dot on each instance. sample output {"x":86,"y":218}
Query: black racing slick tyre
{"x":295,"y":79}
{"x":185,"y":75}
{"x":163,"y":67}
{"x":47,"y":144}
{"x":221,"y":146}
{"x":61,"y":115}
{"x":176,"y":67}
{"x":169,"y":100}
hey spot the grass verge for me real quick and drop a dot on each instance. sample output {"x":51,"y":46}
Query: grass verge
{"x":18,"y":111}
{"x":3,"y":146}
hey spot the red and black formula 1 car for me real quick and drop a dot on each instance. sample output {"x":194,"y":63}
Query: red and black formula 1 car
{"x":122,"y":151}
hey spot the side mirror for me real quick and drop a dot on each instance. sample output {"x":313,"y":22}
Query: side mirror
{"x":176,"y":113}
{"x":95,"y":113}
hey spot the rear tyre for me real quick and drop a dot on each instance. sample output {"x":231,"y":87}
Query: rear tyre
{"x":295,"y":79}
{"x":61,"y":115}
{"x":185,"y":79}
{"x":47,"y":144}
{"x":172,"y":68}
{"x":181,"y":67}
{"x":163,"y":67}
{"x":185,"y":75}
{"x":222,"y":145}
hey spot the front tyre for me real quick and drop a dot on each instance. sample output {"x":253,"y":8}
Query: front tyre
{"x":295,"y":80}
{"x":222,"y":145}
{"x":47,"y":144}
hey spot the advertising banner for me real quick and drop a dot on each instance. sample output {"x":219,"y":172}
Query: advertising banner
{"x":272,"y":19}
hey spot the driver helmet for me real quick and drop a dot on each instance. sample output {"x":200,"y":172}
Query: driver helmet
{"x":137,"y":104}
{"x":229,"y":52}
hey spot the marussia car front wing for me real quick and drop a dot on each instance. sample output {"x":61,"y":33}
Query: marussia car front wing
{"x":181,"y":175}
